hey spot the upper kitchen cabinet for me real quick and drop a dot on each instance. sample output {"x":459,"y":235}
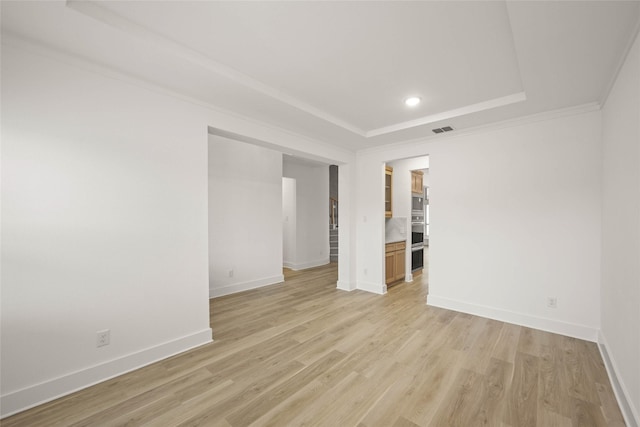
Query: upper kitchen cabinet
{"x":388,"y":180}
{"x":417,"y":182}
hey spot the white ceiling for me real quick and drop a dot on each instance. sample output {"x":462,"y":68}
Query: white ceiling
{"x":339,"y":71}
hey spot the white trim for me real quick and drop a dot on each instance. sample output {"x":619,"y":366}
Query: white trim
{"x":630,"y":413}
{"x":244,"y":286}
{"x":305,"y":265}
{"x":345,"y":286}
{"x":445,"y":115}
{"x":550,"y":325}
{"x":29,"y":397}
{"x":376,"y":288}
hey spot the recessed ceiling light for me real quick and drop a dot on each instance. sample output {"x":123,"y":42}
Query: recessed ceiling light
{"x":412,"y":101}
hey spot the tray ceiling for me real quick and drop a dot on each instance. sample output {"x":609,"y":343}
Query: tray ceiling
{"x":339,"y":71}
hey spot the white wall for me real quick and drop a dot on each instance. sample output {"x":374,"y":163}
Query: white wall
{"x":620,"y":290}
{"x":369,"y":222}
{"x":288,"y":221}
{"x":347,"y":243}
{"x":245,"y":216}
{"x":104,"y":224}
{"x":515,"y":218}
{"x":312,"y":214}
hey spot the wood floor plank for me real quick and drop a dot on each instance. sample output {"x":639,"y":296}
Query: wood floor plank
{"x":437,"y":374}
{"x":610,"y":409}
{"x":284,"y":413}
{"x":580,"y":385}
{"x":403,"y":422}
{"x":243,"y":391}
{"x":324,"y":404}
{"x":480,"y":353}
{"x":586,"y":414}
{"x":488,"y":408}
{"x":522,"y":406}
{"x":393,"y":401}
{"x":529,"y":341}
{"x":259,"y":406}
{"x":507,"y":343}
{"x":456,"y":409}
{"x":552,"y":385}
{"x":304,"y":353}
{"x":551,"y":419}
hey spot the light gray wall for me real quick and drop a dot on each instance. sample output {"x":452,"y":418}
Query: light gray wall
{"x":620,"y":290}
{"x":312,"y":214}
{"x":245,"y":216}
{"x":104,"y":219}
{"x":289,"y":223}
{"x":515,"y":214}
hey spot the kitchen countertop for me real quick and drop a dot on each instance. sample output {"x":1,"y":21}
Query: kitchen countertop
{"x":393,"y":241}
{"x":395,"y":230}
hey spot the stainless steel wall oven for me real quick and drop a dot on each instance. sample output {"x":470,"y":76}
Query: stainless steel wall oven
{"x":417,"y":240}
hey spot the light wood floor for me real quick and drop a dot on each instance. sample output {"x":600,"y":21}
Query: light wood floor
{"x":304,"y":353}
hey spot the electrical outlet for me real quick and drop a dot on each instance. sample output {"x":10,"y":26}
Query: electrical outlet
{"x":103,"y":338}
{"x":365,"y":271}
{"x":230,"y":273}
{"x":552,"y":302}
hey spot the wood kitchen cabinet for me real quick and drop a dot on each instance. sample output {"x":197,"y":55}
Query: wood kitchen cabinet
{"x":388,"y":181}
{"x":395,"y":265}
{"x":417,"y":179}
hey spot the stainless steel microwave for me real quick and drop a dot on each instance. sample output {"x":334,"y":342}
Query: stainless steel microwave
{"x":417,"y":203}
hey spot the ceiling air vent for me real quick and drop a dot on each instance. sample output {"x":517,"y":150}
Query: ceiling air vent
{"x":442,"y":129}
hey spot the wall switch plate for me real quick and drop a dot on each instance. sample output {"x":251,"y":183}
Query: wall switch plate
{"x":103,"y":338}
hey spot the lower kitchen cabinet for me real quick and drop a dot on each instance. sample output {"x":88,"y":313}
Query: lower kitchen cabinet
{"x":395,"y":262}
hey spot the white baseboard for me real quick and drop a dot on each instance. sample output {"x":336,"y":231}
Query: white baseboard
{"x":376,"y":288}
{"x":305,"y":265}
{"x":28,"y":397}
{"x":563,"y":328}
{"x":244,"y":286}
{"x":345,"y":286}
{"x":630,"y":413}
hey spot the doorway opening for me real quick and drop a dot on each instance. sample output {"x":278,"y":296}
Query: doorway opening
{"x":309,"y":237}
{"x":333,"y":213}
{"x":407,"y":220}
